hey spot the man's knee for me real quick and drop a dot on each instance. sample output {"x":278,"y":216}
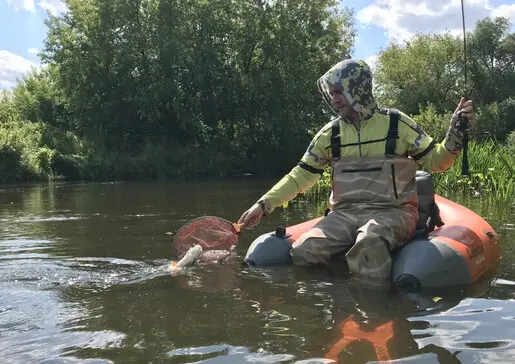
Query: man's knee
{"x":309,"y":252}
{"x":370,"y":257}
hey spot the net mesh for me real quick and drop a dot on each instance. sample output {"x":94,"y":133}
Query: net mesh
{"x":211,"y":232}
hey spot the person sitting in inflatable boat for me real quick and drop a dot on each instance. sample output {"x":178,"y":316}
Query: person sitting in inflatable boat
{"x":374,"y":155}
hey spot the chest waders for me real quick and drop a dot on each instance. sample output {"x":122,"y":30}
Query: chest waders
{"x":384,"y":180}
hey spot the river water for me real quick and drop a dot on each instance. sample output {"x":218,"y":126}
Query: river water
{"x":83,"y":279}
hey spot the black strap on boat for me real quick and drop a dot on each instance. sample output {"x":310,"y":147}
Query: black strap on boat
{"x":393,"y":132}
{"x":335,"y":139}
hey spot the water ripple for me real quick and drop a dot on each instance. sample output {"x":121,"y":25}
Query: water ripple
{"x":88,"y":272}
{"x":32,"y":325}
{"x":475,"y":327}
{"x":231,"y":354}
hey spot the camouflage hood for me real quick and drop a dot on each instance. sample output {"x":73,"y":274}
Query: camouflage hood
{"x":354,"y":79}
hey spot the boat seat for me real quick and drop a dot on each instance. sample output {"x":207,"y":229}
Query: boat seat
{"x":429,"y":214}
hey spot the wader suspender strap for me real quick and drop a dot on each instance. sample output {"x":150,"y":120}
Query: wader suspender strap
{"x":393,"y":133}
{"x":335,"y":139}
{"x":335,"y":148}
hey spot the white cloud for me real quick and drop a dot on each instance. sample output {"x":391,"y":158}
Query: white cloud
{"x":372,"y":62}
{"x":32,"y":51}
{"x":55,"y":7}
{"x":507,"y":11}
{"x":18,"y":5}
{"x":12,"y":67}
{"x":401,"y":19}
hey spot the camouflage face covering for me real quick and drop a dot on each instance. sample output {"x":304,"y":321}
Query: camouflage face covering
{"x":354,"y":79}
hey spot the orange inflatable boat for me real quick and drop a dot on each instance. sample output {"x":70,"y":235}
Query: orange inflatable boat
{"x":456,"y":248}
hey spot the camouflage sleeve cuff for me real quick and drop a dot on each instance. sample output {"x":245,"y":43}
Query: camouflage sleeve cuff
{"x":453,"y":140}
{"x":265,"y":205}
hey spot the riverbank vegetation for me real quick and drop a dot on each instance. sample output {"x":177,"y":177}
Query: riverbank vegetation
{"x":221,"y":89}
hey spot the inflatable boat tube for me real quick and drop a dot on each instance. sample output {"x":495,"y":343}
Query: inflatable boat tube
{"x":463,"y":248}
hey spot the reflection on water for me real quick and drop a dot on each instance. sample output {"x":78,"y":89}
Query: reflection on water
{"x":480,"y":330}
{"x":83,"y":278}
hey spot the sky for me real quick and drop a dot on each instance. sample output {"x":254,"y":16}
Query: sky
{"x":22,"y":28}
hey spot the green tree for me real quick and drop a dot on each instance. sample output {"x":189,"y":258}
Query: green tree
{"x":38,"y":97}
{"x":424,"y":70}
{"x":430,"y":68}
{"x":198,"y":74}
{"x":492,"y":58}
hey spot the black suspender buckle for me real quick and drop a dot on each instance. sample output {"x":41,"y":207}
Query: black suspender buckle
{"x":393,"y":133}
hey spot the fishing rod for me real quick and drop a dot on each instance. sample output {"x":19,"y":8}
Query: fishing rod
{"x":464,"y":124}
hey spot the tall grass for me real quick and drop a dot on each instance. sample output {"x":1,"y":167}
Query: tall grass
{"x":491,"y":173}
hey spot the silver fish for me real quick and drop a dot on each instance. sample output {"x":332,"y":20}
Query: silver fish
{"x":189,"y":258}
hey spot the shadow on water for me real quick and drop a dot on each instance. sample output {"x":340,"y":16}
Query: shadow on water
{"x":83,"y":278}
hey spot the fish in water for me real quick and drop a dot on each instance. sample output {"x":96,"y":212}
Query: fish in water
{"x":190,"y":258}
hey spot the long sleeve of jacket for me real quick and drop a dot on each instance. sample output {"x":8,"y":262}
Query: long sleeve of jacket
{"x":303,"y":176}
{"x":436,"y":157}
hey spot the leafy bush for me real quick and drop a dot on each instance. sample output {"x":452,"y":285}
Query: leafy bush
{"x":510,"y":142}
{"x":431,"y":122}
{"x":26,"y":153}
